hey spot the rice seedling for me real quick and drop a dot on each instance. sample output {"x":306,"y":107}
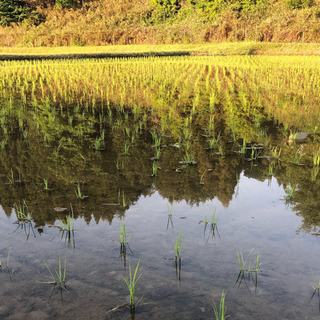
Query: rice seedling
{"x":220,"y":150}
{"x":97,"y":144}
{"x":79,"y":193}
{"x":276,"y":152}
{"x":247,"y":266}
{"x":22,"y":212}
{"x":213,"y":218}
{"x":67,"y":224}
{"x":243,"y":148}
{"x":124,"y":204}
{"x":46,"y":184}
{"x":117,"y":163}
{"x":220,"y":313}
{"x":124,"y":238}
{"x":290,"y":190}
{"x":316,"y":159}
{"x":131,"y":284}
{"x":8,"y":260}
{"x":189,"y":159}
{"x":58,"y":277}
{"x":201,"y":178}
{"x":298,"y":156}
{"x":126,"y":149}
{"x":316,"y":285}
{"x":3,"y":144}
{"x":270,"y":170}
{"x":177,"y":248}
{"x":314,"y":173}
{"x":154,"y":169}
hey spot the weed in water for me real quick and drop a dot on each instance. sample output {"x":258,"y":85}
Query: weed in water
{"x":220,"y":313}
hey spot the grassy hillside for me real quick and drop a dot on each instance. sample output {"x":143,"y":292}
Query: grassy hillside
{"x":102,"y":22}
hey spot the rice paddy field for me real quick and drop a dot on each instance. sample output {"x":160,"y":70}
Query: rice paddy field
{"x":160,"y":188}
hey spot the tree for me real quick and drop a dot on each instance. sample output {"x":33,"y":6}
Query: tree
{"x":12,"y":11}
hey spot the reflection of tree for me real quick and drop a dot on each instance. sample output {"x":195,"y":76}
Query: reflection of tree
{"x":63,"y":153}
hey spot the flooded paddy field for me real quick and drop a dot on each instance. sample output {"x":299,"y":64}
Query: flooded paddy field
{"x":201,"y":171}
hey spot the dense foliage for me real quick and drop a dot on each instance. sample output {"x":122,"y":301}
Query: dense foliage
{"x":12,"y":11}
{"x":101,"y":22}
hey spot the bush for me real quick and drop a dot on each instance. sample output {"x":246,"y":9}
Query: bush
{"x":299,"y":4}
{"x":64,"y":3}
{"x":166,"y":8}
{"x":12,"y":11}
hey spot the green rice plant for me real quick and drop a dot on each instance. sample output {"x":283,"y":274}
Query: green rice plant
{"x":220,"y":150}
{"x":126,"y":149}
{"x":220,"y":313}
{"x":201,"y":178}
{"x":270,"y":172}
{"x":117,"y":163}
{"x":124,"y":238}
{"x":58,"y":277}
{"x":11,"y":177}
{"x":154,"y":169}
{"x":316,"y":285}
{"x":254,"y":154}
{"x":177,"y":248}
{"x":131,"y":284}
{"x":290,"y":191}
{"x":8,"y":260}
{"x":67,"y":224}
{"x":124,"y":204}
{"x":22,"y":212}
{"x":213,"y":218}
{"x":276,"y":152}
{"x":97,"y":144}
{"x":188,"y":158}
{"x":243,"y":148}
{"x":298,"y":156}
{"x":46,"y":184}
{"x":246,"y":266}
{"x":3,"y":144}
{"x":79,"y":193}
{"x":158,"y":152}
{"x":314,"y":173}
{"x":316,"y":159}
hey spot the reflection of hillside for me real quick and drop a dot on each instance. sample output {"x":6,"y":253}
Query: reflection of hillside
{"x":58,"y":145}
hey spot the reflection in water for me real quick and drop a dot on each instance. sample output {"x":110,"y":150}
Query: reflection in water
{"x":101,"y":139}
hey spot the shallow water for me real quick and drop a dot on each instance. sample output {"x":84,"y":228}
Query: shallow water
{"x":246,"y":189}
